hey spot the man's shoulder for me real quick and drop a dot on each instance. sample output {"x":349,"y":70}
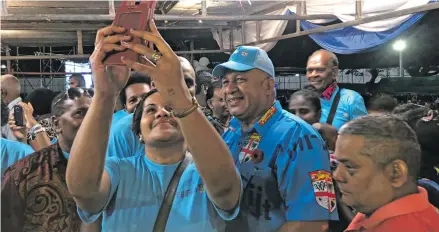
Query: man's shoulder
{"x":32,"y":162}
{"x":351,"y":94}
{"x":424,"y":220}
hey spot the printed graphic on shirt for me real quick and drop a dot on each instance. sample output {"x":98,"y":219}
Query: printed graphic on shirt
{"x":323,"y":189}
{"x":267,"y":115}
{"x":249,"y":148}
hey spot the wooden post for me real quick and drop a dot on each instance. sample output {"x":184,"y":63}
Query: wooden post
{"x":80,"y":48}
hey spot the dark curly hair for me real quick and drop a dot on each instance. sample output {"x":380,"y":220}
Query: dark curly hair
{"x":4,"y":113}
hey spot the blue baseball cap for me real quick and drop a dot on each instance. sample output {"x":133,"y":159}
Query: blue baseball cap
{"x":246,"y":58}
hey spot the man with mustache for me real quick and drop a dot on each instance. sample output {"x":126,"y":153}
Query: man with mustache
{"x":282,"y":160}
{"x":322,"y":72}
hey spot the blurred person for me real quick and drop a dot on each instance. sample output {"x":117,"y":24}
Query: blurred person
{"x":123,"y":142}
{"x":338,"y":105}
{"x":10,"y":95}
{"x":215,"y":101}
{"x":168,"y":120}
{"x":381,"y":104}
{"x":281,"y":158}
{"x":203,"y":81}
{"x":77,"y":80}
{"x":427,"y":131}
{"x":379,"y":160}
{"x":11,"y":150}
{"x":42,"y":175}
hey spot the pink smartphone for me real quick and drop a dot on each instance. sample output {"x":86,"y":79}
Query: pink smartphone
{"x":131,"y":15}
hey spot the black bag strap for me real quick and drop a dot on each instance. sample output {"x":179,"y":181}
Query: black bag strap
{"x":333,"y":108}
{"x":163,"y":215}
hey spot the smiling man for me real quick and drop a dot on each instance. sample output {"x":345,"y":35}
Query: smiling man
{"x":282,"y":160}
{"x":339,"y":106}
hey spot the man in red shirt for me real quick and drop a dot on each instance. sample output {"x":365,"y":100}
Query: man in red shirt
{"x":379,"y":161}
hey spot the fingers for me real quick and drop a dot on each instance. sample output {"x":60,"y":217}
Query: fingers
{"x":115,"y":39}
{"x":153,"y":28}
{"x":157,"y":40}
{"x":138,"y":48}
{"x":138,"y":67}
{"x":106,"y":31}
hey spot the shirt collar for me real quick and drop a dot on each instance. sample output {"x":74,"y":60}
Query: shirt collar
{"x":404,"y":205}
{"x":263,"y":125}
{"x":13,"y":103}
{"x":327,"y":94}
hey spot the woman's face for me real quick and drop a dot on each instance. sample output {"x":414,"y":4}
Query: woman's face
{"x":304,"y":109}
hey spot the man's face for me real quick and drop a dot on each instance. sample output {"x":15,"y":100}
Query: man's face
{"x":363,"y":183}
{"x":244,"y":93}
{"x":158,"y":127}
{"x":218,"y":104}
{"x":189,"y":76}
{"x":68,"y":123}
{"x":304,"y":110}
{"x":73,"y":83}
{"x":134,"y":94}
{"x":319,"y":71}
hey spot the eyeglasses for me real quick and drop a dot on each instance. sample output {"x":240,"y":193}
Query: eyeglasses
{"x":74,"y":93}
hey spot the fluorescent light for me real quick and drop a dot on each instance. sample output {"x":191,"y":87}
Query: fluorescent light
{"x":3,"y":66}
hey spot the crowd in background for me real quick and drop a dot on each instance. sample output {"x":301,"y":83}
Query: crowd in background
{"x":103,"y":159}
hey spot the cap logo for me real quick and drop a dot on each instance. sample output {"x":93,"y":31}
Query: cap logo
{"x":244,"y":53}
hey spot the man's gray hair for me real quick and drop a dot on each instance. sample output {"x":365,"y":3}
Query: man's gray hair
{"x":332,"y":57}
{"x":387,"y":138}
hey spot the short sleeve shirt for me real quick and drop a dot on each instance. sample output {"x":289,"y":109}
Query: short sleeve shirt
{"x":122,"y":141}
{"x":138,"y":186}
{"x":284,"y":167}
{"x":350,"y":106}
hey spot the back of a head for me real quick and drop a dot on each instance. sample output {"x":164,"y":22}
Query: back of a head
{"x":410,"y":113}
{"x":203,"y":78}
{"x":41,"y":99}
{"x":11,"y":84}
{"x":382,"y":103}
{"x":135,"y":78}
{"x":387,"y":138}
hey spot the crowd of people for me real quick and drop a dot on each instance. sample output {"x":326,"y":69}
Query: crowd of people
{"x":156,"y":146}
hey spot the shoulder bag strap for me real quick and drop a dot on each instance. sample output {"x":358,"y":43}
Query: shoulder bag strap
{"x":168,"y":199}
{"x":333,"y":108}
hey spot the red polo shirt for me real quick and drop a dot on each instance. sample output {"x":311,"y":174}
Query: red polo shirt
{"x":412,"y":213}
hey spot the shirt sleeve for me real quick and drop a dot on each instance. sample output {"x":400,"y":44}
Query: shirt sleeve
{"x":233,"y":213}
{"x":357,"y":108}
{"x":303,"y":177}
{"x":122,"y":141}
{"x":12,"y":213}
{"x":112,"y":167}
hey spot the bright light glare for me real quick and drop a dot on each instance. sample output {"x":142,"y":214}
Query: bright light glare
{"x":200,"y":21}
{"x":399,"y":45}
{"x":3,"y":66}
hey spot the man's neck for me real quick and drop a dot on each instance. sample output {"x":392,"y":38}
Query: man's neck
{"x":64,"y":145}
{"x":248,"y":123}
{"x":166,"y":155}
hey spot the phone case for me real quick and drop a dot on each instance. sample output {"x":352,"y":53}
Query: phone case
{"x":131,"y":15}
{"x":18,"y":115}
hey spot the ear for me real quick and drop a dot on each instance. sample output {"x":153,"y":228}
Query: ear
{"x":335,"y":72}
{"x":4,"y":93}
{"x":269,"y":86}
{"x":209,"y":103}
{"x":397,"y":172}
{"x":152,"y":85}
{"x":57,"y":125}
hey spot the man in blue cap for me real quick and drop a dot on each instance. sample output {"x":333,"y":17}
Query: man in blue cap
{"x":282,"y":160}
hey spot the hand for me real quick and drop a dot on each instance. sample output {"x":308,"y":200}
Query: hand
{"x":166,"y":73}
{"x":28,"y":111}
{"x":19,"y":132}
{"x":108,"y":79}
{"x":328,"y":132}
